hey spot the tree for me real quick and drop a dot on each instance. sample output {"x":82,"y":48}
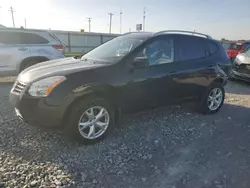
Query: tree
{"x":223,"y":40}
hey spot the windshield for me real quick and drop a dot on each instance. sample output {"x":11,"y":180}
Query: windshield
{"x":232,"y":46}
{"x":113,"y":50}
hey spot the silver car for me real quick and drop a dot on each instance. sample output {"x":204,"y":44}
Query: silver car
{"x":241,"y":66}
{"x":21,"y":48}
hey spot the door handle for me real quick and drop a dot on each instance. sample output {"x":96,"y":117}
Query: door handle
{"x":22,"y":49}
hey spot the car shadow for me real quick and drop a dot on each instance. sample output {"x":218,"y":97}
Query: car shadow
{"x":238,"y":87}
{"x":169,"y":146}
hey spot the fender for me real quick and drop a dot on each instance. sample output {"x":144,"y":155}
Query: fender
{"x":18,"y":66}
{"x":102,"y":90}
{"x":84,"y":91}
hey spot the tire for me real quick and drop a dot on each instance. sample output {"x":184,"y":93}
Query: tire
{"x":231,"y":78}
{"x":206,"y":102}
{"x":79,"y":114}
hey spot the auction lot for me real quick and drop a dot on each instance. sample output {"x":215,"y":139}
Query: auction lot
{"x":170,"y":147}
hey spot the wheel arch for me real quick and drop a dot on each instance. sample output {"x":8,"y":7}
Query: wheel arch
{"x":105,"y":92}
{"x":221,"y":81}
{"x":28,"y":59}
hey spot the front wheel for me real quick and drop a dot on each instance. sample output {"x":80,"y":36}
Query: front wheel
{"x":213,"y":99}
{"x":90,"y":120}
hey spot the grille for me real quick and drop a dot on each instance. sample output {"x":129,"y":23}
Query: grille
{"x":244,"y":69}
{"x":18,"y":87}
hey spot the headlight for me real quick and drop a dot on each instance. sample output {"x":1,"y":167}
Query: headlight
{"x":43,"y":87}
{"x":241,"y":58}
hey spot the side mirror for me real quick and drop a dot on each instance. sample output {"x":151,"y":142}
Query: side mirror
{"x":140,"y":62}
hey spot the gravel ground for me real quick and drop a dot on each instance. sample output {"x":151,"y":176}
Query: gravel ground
{"x":170,"y":147}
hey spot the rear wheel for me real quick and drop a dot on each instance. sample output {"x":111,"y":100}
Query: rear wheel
{"x":213,"y":99}
{"x":90,"y":120}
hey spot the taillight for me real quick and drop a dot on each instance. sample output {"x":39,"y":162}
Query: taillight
{"x":60,"y":48}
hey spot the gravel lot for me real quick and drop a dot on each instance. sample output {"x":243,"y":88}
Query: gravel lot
{"x":171,"y":147}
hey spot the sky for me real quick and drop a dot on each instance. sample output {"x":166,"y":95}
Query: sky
{"x":228,"y":19}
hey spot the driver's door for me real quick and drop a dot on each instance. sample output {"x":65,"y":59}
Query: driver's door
{"x":150,"y":85}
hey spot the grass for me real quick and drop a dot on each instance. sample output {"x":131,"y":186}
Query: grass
{"x":71,"y":54}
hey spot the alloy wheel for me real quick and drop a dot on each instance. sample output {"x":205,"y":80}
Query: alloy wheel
{"x":215,"y":98}
{"x":94,"y":122}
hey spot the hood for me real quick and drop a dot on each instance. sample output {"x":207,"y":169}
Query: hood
{"x":59,"y":67}
{"x":232,"y":53}
{"x":242,"y":59}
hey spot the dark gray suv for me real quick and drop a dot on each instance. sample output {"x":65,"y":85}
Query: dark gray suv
{"x":131,"y":72}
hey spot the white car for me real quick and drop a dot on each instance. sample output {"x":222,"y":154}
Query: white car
{"x":21,"y":48}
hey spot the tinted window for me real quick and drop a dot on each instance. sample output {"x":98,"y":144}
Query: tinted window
{"x":190,"y":48}
{"x":212,"y":48}
{"x":247,"y":52}
{"x":21,"y":38}
{"x":32,"y":38}
{"x":226,"y":45}
{"x":235,"y":46}
{"x":247,"y":45}
{"x":10,"y":37}
{"x":160,"y":51}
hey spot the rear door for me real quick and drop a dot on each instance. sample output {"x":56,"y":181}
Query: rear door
{"x":194,"y":67}
{"x":12,"y":51}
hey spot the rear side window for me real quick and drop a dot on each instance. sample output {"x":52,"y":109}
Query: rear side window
{"x":190,"y":48}
{"x":32,"y":38}
{"x":211,"y":47}
{"x":9,"y":37}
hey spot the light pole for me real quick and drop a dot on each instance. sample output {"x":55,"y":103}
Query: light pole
{"x":110,"y":21}
{"x":89,"y":23}
{"x":120,"y":22}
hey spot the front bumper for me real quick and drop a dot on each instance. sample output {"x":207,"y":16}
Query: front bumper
{"x":36,"y":111}
{"x":240,"y":76}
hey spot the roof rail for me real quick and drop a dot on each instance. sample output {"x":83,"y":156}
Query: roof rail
{"x":134,"y":32}
{"x":128,"y":33}
{"x":181,"y":31}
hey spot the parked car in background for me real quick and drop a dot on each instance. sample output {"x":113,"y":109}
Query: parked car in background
{"x":20,"y":49}
{"x":234,"y":48}
{"x":241,"y":66}
{"x":131,"y":72}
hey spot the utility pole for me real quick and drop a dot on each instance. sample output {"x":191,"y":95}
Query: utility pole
{"x":110,"y":21}
{"x":144,"y":18}
{"x":25,"y":23}
{"x":89,"y":23}
{"x":0,"y":14}
{"x":121,"y":22}
{"x":12,"y":14}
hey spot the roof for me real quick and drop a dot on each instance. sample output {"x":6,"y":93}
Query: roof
{"x":1,"y":26}
{"x":145,"y":35}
